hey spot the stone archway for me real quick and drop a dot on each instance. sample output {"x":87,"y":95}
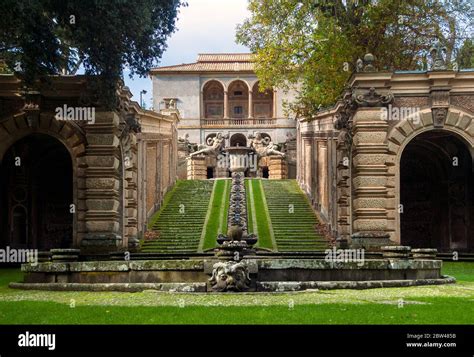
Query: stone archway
{"x":436,"y":192}
{"x":459,"y":126}
{"x":55,"y":168}
{"x":37,"y":193}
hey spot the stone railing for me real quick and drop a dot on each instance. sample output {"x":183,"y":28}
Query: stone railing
{"x":238,"y":122}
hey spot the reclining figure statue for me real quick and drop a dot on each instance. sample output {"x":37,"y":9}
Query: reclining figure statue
{"x":214,"y":146}
{"x":264,"y":146}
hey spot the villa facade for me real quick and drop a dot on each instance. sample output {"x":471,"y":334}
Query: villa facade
{"x":220,"y":93}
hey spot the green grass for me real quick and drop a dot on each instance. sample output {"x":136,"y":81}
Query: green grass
{"x":462,"y":271}
{"x":264,"y":233}
{"x":250,"y":225}
{"x":218,"y":215}
{"x":292,"y":217}
{"x":181,"y":218}
{"x":442,"y":304}
{"x":166,"y":200}
{"x":434,"y":312}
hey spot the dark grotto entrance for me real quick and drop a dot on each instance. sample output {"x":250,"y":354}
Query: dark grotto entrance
{"x":436,"y":193}
{"x":36,"y":194}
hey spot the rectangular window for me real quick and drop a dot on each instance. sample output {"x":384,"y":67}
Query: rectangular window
{"x":237,"y":93}
{"x":238,"y":110}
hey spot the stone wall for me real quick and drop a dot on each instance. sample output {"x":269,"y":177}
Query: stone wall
{"x":109,"y":163}
{"x":349,"y":156}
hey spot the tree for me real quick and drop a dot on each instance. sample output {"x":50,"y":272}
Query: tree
{"x":46,"y":37}
{"x":314,"y":43}
{"x":465,"y":58}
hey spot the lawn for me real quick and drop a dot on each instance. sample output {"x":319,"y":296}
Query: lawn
{"x":259,"y":221}
{"x":446,"y":304}
{"x":217,"y":219}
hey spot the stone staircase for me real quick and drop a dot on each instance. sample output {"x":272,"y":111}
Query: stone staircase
{"x":180,"y":221}
{"x":293,"y":232}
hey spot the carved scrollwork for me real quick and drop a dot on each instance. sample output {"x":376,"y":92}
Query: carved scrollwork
{"x":372,"y":98}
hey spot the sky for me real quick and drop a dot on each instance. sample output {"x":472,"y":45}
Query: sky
{"x":205,"y":26}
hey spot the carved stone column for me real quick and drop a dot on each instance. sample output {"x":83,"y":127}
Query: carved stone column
{"x":226,"y":105}
{"x":250,"y":104}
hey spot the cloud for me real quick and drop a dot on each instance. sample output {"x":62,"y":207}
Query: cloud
{"x":205,"y":26}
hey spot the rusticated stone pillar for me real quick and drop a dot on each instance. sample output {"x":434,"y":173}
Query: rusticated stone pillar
{"x":197,"y":169}
{"x":369,"y":179}
{"x":102,"y":191}
{"x":277,"y":167}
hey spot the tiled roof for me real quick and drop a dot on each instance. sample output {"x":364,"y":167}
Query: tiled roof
{"x":213,"y":62}
{"x":224,"y":57}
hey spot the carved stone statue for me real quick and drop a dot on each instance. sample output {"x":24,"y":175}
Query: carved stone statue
{"x":214,"y":146}
{"x":439,"y":116}
{"x":230,"y":276}
{"x":264,"y":146}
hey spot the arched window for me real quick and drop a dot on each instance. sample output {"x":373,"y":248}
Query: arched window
{"x":238,"y":100}
{"x":262,"y":102}
{"x":238,"y":140}
{"x":213,"y":94}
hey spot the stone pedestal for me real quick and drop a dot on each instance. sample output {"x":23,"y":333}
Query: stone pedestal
{"x":278,"y":168}
{"x":197,"y":169}
{"x":396,"y":252}
{"x":221,"y":172}
{"x":371,"y":241}
{"x":424,"y":253}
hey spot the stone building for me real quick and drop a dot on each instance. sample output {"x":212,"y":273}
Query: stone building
{"x":392,"y":162}
{"x":74,"y":175}
{"x":219,"y":93}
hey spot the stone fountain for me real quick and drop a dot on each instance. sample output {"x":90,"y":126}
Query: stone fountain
{"x":232,"y":274}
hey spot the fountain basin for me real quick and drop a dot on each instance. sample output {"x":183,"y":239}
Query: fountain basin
{"x":267,"y":274}
{"x":239,"y":157}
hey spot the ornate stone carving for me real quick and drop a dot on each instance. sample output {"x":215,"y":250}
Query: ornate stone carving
{"x":436,"y":52}
{"x":439,"y":116}
{"x":367,"y":64}
{"x":230,"y":276}
{"x":214,"y":146}
{"x":440,"y":98}
{"x":31,"y":107}
{"x":237,"y":242}
{"x":343,"y":122}
{"x":359,"y":65}
{"x":372,"y":98}
{"x":185,"y":145}
{"x":264,"y":146}
{"x":369,"y":60}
